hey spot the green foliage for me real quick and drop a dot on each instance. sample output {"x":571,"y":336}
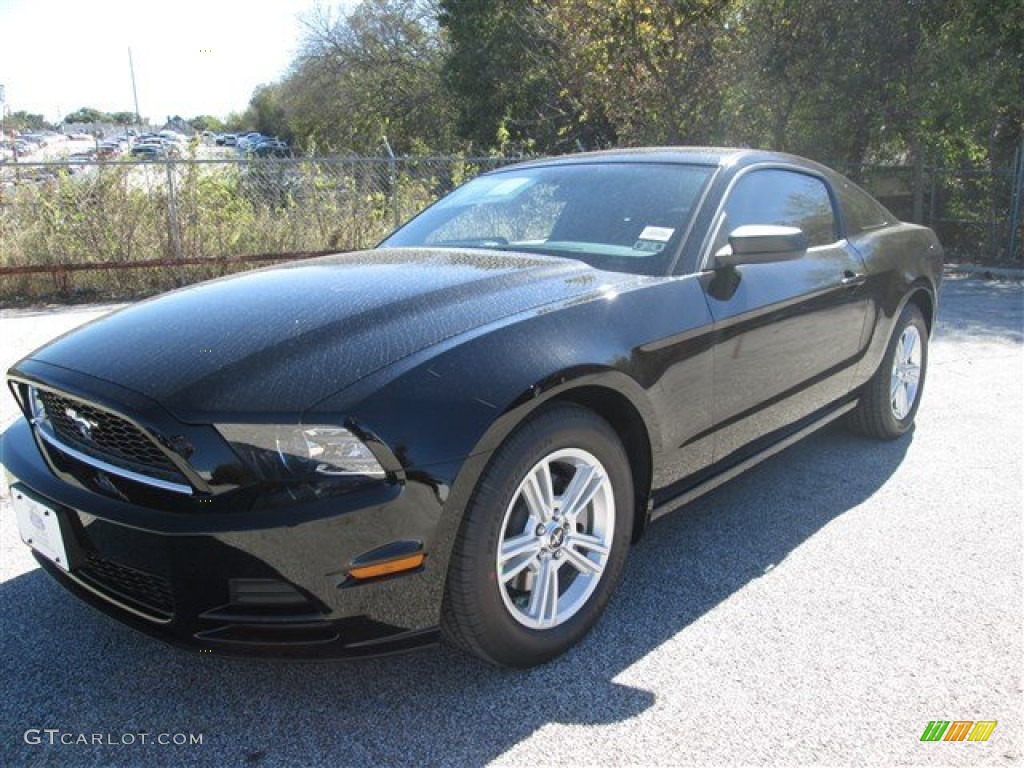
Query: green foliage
{"x":25,"y":122}
{"x":126,"y":212}
{"x":649,"y":67}
{"x":973,"y":105}
{"x":90,"y":115}
{"x":122,"y":118}
{"x":367,"y":75}
{"x":207,"y":123}
{"x":266,"y":113}
{"x":863,"y":81}
{"x":506,"y":72}
{"x":848,"y":83}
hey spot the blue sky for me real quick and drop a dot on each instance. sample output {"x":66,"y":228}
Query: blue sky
{"x":191,"y":56}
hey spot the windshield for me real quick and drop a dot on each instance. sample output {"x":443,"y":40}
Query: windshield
{"x":623,"y":217}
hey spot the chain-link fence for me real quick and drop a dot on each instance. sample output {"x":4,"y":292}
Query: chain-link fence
{"x":123,"y":228}
{"x":976,"y":212}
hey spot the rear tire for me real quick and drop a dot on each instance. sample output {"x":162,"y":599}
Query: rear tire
{"x":543,"y":540}
{"x":889,"y":403}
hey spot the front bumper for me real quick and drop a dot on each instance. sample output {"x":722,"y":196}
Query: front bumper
{"x":247,"y":582}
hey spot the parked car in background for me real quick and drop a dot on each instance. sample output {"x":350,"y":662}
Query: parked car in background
{"x":143,"y":151}
{"x":107,"y":150}
{"x":249,"y":140}
{"x":271,"y":148}
{"x":460,"y":433}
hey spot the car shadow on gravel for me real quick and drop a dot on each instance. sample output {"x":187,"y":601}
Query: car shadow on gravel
{"x":68,"y":667}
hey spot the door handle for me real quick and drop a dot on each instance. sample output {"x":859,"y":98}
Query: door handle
{"x":850,"y":277}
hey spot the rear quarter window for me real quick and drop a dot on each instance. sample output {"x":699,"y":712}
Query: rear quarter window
{"x":861,"y":212}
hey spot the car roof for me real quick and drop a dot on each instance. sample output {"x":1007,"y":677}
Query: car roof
{"x":711,"y":156}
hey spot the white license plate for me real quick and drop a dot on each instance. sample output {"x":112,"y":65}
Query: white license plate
{"x":39,"y":527}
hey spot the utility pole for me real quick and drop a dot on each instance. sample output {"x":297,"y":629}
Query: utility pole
{"x":135,"y":93}
{"x":3,"y":131}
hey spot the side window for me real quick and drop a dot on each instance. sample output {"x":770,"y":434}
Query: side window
{"x":781,"y":197}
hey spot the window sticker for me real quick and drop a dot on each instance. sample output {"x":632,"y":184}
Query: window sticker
{"x":657,"y":234}
{"x":648,"y":246}
{"x":507,"y":187}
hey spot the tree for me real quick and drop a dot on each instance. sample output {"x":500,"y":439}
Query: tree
{"x":25,"y":122}
{"x":207,"y":123}
{"x":372,"y":73}
{"x":123,"y":118}
{"x":651,"y":68}
{"x":847,"y":83}
{"x":828,"y":80}
{"x":570,"y":74}
{"x":87,"y":115}
{"x":91,"y":115}
{"x":973,"y":107}
{"x":266,"y":113}
{"x":506,"y":73}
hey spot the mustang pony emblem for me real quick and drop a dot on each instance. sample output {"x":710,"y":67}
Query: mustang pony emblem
{"x":84,"y":425}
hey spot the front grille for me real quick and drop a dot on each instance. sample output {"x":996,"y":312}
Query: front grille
{"x":105,"y":436}
{"x":145,"y":591}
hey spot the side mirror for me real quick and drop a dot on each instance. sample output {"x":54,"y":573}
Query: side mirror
{"x":761,"y":244}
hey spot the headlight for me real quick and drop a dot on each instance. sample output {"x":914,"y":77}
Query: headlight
{"x":301,"y":452}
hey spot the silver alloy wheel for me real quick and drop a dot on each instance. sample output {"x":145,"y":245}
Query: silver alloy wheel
{"x":555,"y":538}
{"x":906,"y":373}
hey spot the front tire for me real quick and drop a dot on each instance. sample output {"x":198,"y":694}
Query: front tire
{"x":543,"y":540}
{"x":889,"y":403}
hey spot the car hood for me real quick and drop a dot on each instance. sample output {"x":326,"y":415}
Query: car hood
{"x":278,"y":340}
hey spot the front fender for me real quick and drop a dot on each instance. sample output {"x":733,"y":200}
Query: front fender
{"x":442,"y":412}
{"x":467,"y":400}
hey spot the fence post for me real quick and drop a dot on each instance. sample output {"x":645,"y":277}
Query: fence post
{"x":933,"y":190}
{"x":396,"y":208}
{"x":1017,"y":192}
{"x":173,"y":225}
{"x":918,"y":183}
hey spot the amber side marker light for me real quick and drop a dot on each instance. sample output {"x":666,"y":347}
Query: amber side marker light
{"x":388,"y":567}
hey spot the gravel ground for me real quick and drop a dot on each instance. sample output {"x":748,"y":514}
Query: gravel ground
{"x":819,"y":610}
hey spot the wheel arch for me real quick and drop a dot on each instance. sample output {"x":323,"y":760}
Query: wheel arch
{"x":631,"y":429}
{"x":613,"y":396}
{"x":923,"y":297}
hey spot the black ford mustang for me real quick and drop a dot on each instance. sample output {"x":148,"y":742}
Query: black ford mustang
{"x":461,"y":431}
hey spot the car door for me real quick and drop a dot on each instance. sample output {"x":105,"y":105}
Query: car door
{"x":787,"y":333}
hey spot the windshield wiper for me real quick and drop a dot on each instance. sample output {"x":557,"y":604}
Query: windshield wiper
{"x":497,"y":242}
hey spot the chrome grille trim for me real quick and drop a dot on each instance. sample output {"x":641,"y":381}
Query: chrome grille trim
{"x":102,"y":433}
{"x":110,"y":468}
{"x":45,"y":431}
